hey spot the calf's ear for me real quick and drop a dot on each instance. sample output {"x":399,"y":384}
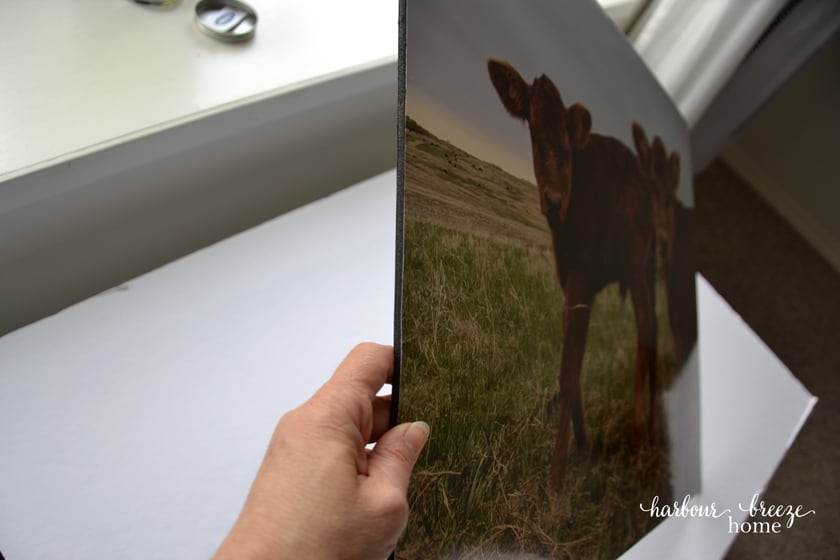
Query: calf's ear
{"x":642,"y":146}
{"x":659,"y":164}
{"x":675,"y":169}
{"x":580,"y":125}
{"x":512,"y":89}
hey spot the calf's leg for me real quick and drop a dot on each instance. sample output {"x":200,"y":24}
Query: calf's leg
{"x":645,"y":311}
{"x":577,"y":312}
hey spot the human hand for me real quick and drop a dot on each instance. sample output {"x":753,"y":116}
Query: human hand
{"x":319,"y":493}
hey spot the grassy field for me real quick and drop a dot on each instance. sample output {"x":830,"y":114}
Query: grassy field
{"x":482,"y":336}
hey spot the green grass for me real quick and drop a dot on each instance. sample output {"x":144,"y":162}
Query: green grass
{"x":482,"y":337}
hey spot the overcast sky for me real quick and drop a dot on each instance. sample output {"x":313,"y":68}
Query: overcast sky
{"x":449,"y":91}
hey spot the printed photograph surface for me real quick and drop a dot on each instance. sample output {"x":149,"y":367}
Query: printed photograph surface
{"x":548,"y":314}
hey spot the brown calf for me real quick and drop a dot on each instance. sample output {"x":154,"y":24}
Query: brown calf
{"x":594,"y":196}
{"x":674,"y":225}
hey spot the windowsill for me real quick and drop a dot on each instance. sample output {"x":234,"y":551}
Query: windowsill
{"x":132,"y":139}
{"x":110,"y":74}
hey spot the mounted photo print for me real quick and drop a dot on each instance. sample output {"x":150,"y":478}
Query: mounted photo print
{"x":546,"y":320}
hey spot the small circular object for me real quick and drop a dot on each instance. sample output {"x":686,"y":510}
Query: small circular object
{"x":158,"y":3}
{"x":226,"y":20}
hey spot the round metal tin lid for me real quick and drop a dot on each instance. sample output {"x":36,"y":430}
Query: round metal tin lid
{"x":158,"y":3}
{"x":226,"y":20}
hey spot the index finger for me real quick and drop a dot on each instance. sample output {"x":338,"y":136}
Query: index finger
{"x":367,"y":367}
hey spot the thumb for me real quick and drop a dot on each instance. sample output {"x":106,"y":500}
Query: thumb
{"x":396,"y":452}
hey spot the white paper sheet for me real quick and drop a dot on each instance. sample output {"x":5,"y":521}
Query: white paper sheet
{"x":132,"y":424}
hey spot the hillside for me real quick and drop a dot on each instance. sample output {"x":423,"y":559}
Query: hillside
{"x":447,"y":186}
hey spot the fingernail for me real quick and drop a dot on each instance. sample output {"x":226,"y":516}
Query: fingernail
{"x":416,"y":436}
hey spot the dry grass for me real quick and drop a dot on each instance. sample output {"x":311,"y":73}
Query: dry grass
{"x":450,"y":187}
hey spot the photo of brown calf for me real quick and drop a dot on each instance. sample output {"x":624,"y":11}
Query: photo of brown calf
{"x":674,"y":224}
{"x":596,"y":200}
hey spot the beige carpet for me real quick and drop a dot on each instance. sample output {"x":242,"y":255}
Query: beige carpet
{"x":791,"y":298}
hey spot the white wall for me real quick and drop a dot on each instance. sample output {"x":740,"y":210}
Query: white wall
{"x":78,"y":228}
{"x":789,"y":152}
